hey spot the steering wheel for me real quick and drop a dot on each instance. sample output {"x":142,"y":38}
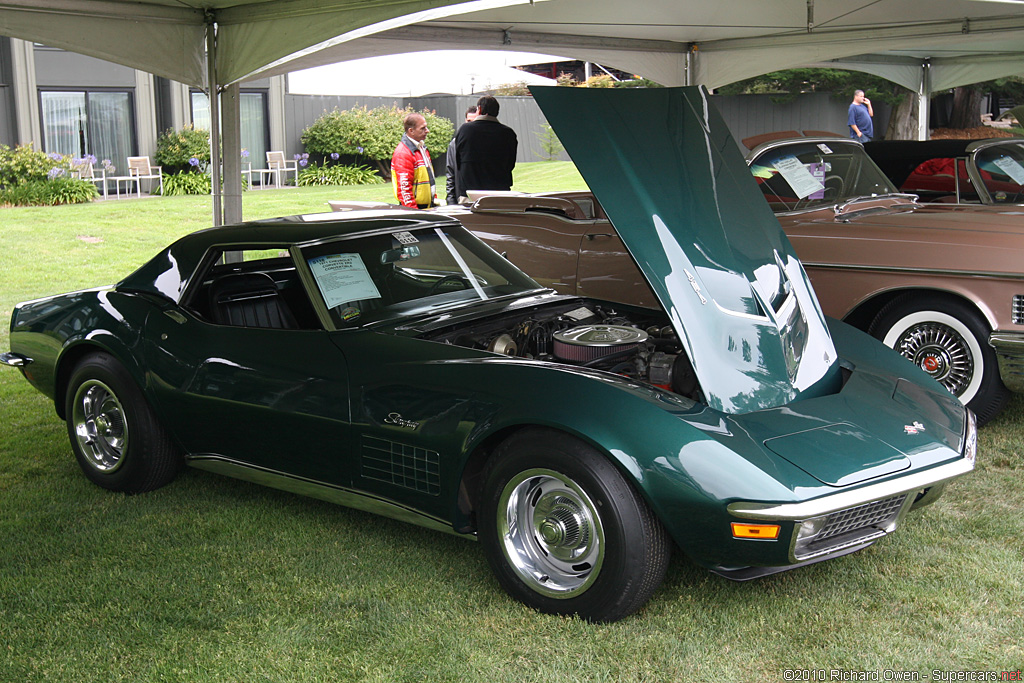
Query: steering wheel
{"x":436,"y":287}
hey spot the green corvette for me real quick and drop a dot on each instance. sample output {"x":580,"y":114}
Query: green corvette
{"x":391,"y":362}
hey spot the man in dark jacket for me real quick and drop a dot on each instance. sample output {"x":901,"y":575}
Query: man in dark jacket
{"x":452,"y":184}
{"x":485,"y":151}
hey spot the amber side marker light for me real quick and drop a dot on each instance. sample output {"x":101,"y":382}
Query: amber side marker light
{"x":767,"y":532}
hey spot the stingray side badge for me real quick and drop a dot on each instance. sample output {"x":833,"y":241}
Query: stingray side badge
{"x":914,"y":428}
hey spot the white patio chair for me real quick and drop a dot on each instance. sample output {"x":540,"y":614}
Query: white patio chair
{"x":86,"y":171}
{"x":140,"y":169}
{"x":277,"y":166}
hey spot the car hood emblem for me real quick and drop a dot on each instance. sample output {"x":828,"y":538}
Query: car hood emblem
{"x":914,"y":428}
{"x":671,"y":178}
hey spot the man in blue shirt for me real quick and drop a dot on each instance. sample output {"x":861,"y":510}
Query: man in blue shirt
{"x":859,"y":118}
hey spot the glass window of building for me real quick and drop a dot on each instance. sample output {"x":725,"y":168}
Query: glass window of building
{"x":97,"y":122}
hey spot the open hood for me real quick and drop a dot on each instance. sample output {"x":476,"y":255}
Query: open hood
{"x":673,"y":182}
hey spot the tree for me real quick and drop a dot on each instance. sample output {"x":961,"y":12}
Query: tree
{"x":967,"y":99}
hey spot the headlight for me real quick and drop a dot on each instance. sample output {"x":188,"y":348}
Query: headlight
{"x":808,"y":531}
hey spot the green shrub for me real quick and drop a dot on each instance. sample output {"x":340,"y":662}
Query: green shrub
{"x":338,"y":175}
{"x":372,"y":134}
{"x":23,"y":164}
{"x":49,"y":192}
{"x":186,"y":183}
{"x":185,"y":150}
{"x":189,"y":182}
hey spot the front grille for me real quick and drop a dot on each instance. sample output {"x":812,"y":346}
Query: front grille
{"x":1018,"y":309}
{"x":403,"y":465}
{"x":852,"y":526}
{"x":874,"y":514}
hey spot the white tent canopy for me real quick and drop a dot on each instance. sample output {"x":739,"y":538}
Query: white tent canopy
{"x":169,"y":37}
{"x":714,"y":43}
{"x":451,"y":71}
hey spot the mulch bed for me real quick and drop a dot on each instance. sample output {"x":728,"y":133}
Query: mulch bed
{"x":979,"y":133}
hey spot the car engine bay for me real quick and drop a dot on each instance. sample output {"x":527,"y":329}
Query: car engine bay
{"x":641,"y":346}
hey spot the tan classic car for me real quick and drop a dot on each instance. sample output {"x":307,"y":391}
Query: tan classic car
{"x":942,"y":284}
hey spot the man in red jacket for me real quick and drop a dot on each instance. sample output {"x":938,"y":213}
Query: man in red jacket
{"x":411,"y":172}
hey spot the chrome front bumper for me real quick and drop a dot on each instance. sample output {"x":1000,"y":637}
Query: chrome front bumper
{"x":14,"y":360}
{"x":1009,"y":348}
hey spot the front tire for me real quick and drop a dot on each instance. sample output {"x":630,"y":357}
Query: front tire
{"x":948,"y":340}
{"x":118,"y":441}
{"x":565,"y":532}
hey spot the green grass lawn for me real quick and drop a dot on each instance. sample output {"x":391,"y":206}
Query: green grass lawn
{"x":210,"y":579}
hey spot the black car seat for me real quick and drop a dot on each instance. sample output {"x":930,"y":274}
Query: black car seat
{"x":249,"y":300}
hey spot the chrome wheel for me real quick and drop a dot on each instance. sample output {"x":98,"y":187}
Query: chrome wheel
{"x":551,"y":533}
{"x":941,"y":352}
{"x":948,"y":339}
{"x":99,"y":426}
{"x":942,"y":346}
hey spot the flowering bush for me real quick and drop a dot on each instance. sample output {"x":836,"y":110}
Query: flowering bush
{"x":23,"y":164}
{"x":32,"y":178}
{"x":371,"y":134}
{"x":183,"y":151}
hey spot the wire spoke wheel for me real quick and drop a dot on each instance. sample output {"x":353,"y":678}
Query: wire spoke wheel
{"x":940,"y":351}
{"x":551,"y":532}
{"x":948,"y":339}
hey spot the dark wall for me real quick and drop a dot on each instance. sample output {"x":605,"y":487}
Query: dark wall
{"x":58,"y":68}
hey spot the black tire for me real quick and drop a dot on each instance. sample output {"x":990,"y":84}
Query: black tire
{"x":117,"y":440}
{"x":592,"y":546}
{"x":949,"y":340}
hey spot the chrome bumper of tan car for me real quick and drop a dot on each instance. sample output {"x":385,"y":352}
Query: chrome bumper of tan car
{"x":1009,"y":348}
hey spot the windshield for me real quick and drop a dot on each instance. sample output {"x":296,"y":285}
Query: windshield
{"x":402,"y":273}
{"x":1001,"y":168}
{"x":807,"y":175}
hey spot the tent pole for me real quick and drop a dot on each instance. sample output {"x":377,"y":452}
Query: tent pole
{"x":231,"y":138}
{"x":214,"y":95}
{"x":923,"y":103}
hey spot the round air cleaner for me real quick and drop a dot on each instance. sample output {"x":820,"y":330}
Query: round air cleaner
{"x":588,"y":342}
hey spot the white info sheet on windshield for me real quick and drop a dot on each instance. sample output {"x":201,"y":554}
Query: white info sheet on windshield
{"x":798,"y":176}
{"x":1011,"y":168}
{"x":342,"y":278}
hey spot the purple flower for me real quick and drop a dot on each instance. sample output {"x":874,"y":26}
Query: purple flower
{"x":296,"y":156}
{"x":305,"y":155}
{"x":91,"y":158}
{"x":360,"y":149}
{"x":245,"y":154}
{"x":193,"y":162}
{"x":334,"y":156}
{"x":55,"y":156}
{"x":55,"y":173}
{"x":303,"y":162}
{"x":106,"y":162}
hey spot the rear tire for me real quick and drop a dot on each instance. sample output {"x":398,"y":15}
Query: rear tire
{"x":118,"y":441}
{"x":565,"y":532}
{"x":949,"y":340}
